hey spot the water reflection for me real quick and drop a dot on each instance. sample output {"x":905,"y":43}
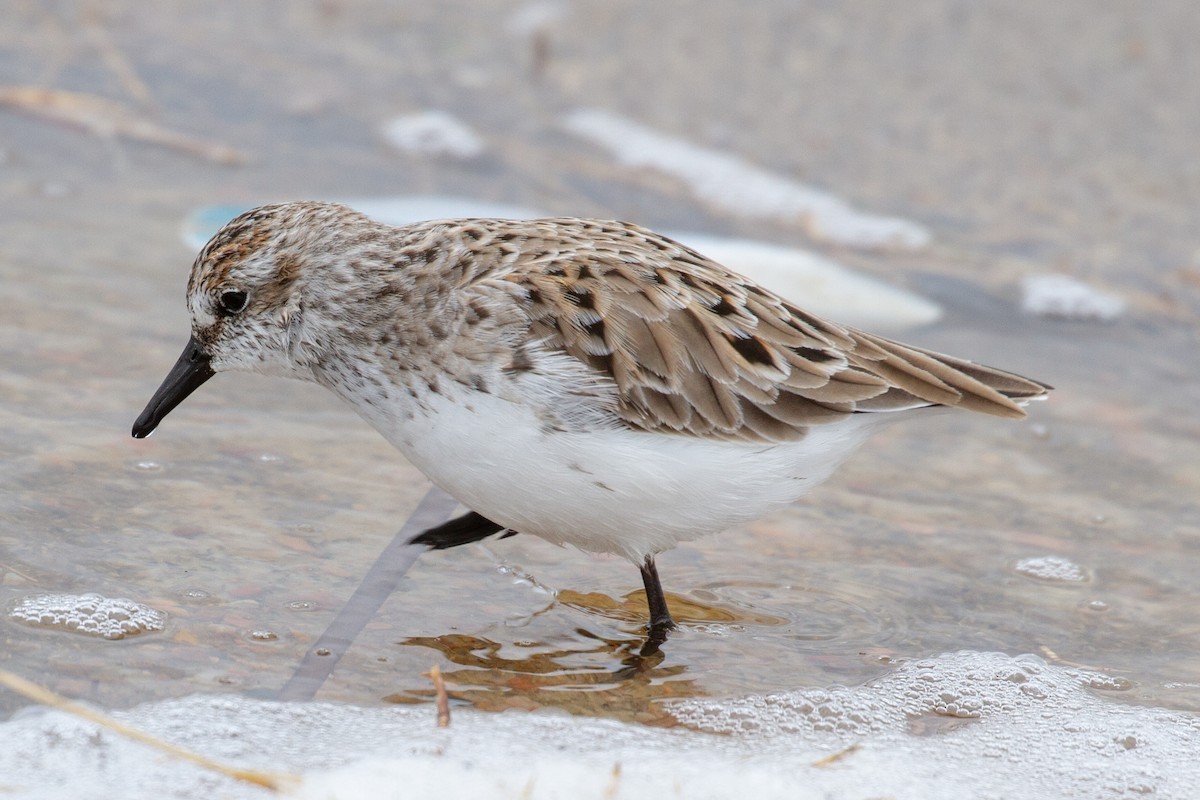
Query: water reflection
{"x":612,"y":667}
{"x":608,"y":677}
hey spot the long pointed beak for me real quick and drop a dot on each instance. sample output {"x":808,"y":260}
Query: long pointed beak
{"x":191,"y":370}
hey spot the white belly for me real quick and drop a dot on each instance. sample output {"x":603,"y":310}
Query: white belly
{"x":618,"y":491}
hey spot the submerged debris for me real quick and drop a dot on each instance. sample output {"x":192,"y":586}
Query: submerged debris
{"x":102,"y":117}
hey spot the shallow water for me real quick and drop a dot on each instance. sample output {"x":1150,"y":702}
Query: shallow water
{"x":256,"y":510}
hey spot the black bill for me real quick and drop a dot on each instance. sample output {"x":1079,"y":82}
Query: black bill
{"x":191,"y":370}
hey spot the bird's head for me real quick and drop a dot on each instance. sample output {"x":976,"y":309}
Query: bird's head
{"x":250,"y":290}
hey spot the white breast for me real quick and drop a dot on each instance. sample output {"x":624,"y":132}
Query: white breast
{"x":617,"y":490}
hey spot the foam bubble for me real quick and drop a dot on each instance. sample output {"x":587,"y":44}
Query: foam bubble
{"x":88,"y":614}
{"x":1062,"y":297}
{"x":433,"y":133}
{"x":1051,"y":568}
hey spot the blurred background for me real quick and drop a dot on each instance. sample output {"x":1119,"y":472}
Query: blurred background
{"x":1015,"y":183}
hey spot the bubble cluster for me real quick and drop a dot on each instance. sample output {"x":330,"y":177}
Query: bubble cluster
{"x":433,"y":133}
{"x":1062,"y":297}
{"x":1052,"y":568}
{"x":964,"y":685}
{"x":1029,"y":727}
{"x":88,"y":614}
{"x":967,"y":724}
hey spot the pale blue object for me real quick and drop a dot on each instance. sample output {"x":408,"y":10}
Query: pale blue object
{"x":201,"y":224}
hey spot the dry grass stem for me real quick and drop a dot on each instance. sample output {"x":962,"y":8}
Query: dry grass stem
{"x":116,"y":61}
{"x":42,"y":695}
{"x":443,"y":699}
{"x":103,"y":117}
{"x":838,"y":756}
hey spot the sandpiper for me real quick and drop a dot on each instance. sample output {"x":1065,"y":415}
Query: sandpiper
{"x":586,"y":381}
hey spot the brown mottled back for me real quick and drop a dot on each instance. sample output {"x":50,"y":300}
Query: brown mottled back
{"x":694,"y":348}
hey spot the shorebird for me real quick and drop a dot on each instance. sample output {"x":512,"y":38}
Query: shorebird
{"x":586,"y":381}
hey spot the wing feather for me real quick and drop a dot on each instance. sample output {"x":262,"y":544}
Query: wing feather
{"x":696,"y":349}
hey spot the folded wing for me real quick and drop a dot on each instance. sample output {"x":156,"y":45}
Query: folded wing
{"x":696,"y":349}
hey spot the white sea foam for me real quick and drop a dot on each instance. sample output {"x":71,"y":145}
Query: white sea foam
{"x":737,"y":186}
{"x":433,"y":133}
{"x":967,"y":724}
{"x":1062,"y":297}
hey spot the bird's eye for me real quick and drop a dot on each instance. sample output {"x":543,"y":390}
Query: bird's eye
{"x":233,"y":301}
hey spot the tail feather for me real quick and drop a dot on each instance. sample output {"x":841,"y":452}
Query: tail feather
{"x":922,"y":377}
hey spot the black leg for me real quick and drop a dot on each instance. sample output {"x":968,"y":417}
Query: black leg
{"x":470,"y":527}
{"x":660,"y":615}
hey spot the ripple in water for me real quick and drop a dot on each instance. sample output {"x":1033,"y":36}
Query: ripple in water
{"x":88,"y":614}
